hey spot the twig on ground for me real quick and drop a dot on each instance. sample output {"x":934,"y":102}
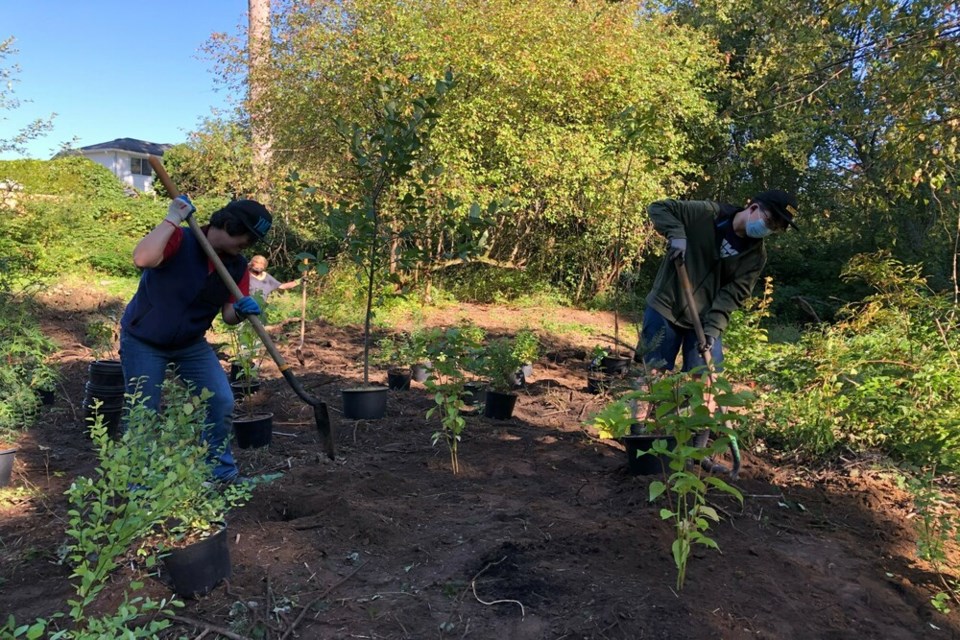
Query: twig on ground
{"x":319,"y":598}
{"x":206,"y":626}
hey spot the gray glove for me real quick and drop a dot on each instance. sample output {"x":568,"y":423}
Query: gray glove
{"x":707,"y":345}
{"x":677,"y":249}
{"x":179,"y":210}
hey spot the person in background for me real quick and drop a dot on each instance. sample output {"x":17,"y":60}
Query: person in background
{"x":179,"y":295}
{"x":262,"y":281}
{"x":722,"y":248}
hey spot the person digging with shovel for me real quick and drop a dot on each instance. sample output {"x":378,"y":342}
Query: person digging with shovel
{"x":714,"y":257}
{"x":721,"y":247}
{"x":178,"y":297}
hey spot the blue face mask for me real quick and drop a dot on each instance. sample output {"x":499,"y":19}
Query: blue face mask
{"x":758,"y":228}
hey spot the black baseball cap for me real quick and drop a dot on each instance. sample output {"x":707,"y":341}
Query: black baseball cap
{"x":780,"y":203}
{"x":253,"y":215}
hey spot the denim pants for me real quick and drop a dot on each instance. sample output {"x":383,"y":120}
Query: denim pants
{"x":664,"y":340}
{"x":198,"y":365}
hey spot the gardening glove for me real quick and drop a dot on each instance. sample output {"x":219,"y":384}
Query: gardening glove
{"x":179,"y":210}
{"x":246,"y":306}
{"x":677,"y":249}
{"x":707,"y":344}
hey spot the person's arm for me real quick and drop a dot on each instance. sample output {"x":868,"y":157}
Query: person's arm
{"x":734,"y":294}
{"x":289,"y":285}
{"x":151,"y":251}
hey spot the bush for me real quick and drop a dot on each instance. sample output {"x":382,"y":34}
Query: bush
{"x":73,"y":176}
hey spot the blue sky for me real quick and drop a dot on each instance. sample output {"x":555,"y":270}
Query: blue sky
{"x":113,"y":69}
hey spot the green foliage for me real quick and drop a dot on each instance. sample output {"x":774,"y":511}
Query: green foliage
{"x":938,"y":528}
{"x":246,"y":348}
{"x":395,"y":351}
{"x":24,"y":368}
{"x":450,"y":352}
{"x":526,"y":346}
{"x":8,"y":102}
{"x":498,"y":362}
{"x":885,"y":376}
{"x":68,"y":176}
{"x":383,"y":156}
{"x":681,"y":410}
{"x":215,"y":161}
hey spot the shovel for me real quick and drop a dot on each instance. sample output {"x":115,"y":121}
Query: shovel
{"x":320,"y":412}
{"x":694,"y":317}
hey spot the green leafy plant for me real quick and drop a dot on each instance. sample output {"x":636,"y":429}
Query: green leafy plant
{"x":101,"y":336}
{"x":681,"y":410}
{"x":938,"y":527}
{"x":396,"y":352}
{"x":526,"y":346}
{"x":388,"y":153}
{"x":450,"y":351}
{"x":498,"y":363}
{"x":246,"y":349}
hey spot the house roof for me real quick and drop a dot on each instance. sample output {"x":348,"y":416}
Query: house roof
{"x":131,"y":145}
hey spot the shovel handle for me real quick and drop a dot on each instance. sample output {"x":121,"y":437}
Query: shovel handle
{"x":692,"y":313}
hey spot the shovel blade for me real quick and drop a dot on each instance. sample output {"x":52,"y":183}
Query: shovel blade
{"x":327,"y":433}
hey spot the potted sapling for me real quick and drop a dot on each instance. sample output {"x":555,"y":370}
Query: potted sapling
{"x":393,"y":170}
{"x":527,"y":349}
{"x":499,"y":364}
{"x":252,"y":425}
{"x":396,"y":353}
{"x":449,"y":351}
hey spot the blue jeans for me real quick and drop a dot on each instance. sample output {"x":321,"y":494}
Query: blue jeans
{"x":198,"y":365}
{"x":665,"y":340}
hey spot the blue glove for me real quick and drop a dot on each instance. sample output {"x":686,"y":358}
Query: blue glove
{"x":246,"y":306}
{"x":180,"y":209}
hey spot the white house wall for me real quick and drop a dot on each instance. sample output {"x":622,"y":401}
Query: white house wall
{"x":118,"y":162}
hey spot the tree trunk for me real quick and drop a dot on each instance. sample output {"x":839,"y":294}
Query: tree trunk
{"x":258,"y":41}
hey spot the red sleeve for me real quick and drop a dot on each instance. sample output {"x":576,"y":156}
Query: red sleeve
{"x":173,"y":244}
{"x":243,"y":285}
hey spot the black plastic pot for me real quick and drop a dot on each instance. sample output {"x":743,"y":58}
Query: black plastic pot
{"x":243,"y":388}
{"x":614,"y":365}
{"x":597,"y":383}
{"x":196,"y":569}
{"x":499,"y":406}
{"x":474,"y":393}
{"x":111,"y":399}
{"x":46,"y":396}
{"x":6,"y":465}
{"x":420,"y":371}
{"x":367,"y":403}
{"x":399,"y":379}
{"x":105,"y":373}
{"x":646,"y":465}
{"x":253,"y":431}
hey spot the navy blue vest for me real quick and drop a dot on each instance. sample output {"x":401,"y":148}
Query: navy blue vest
{"x":176,"y":302}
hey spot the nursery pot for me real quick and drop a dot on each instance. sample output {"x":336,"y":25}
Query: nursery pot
{"x":615,"y":365}
{"x":111,"y":398}
{"x":474,"y":393}
{"x":420,"y":371}
{"x":399,"y":379}
{"x":597,"y":383}
{"x":197,"y":568}
{"x":499,"y":405}
{"x":254,"y":430}
{"x":106,"y":373}
{"x":236,"y":372}
{"x":6,"y":465}
{"x":365,"y":403}
{"x":242,"y":388}
{"x":527,"y":370}
{"x":646,"y":465}
{"x":46,"y":396}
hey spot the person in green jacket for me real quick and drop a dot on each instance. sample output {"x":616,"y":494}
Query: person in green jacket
{"x":722,"y":247}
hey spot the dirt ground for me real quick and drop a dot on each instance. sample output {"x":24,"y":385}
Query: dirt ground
{"x":543,"y":534}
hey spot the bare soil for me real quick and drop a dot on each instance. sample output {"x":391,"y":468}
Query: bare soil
{"x":543,"y":534}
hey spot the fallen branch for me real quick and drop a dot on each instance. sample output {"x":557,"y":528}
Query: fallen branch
{"x":318,"y":599}
{"x":207,"y":627}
